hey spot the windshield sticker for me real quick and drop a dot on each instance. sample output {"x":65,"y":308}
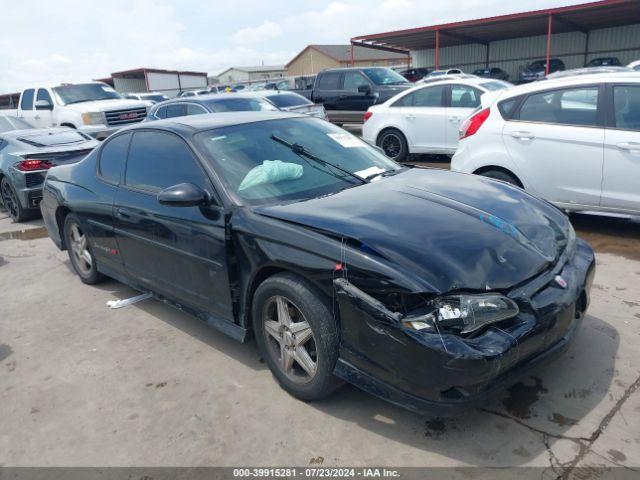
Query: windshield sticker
{"x":346,"y":140}
{"x":367,"y":172}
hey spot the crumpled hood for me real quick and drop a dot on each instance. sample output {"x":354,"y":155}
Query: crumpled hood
{"x":454,"y":231}
{"x":106,"y":105}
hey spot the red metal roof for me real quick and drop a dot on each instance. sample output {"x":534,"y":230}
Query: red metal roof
{"x":582,"y":17}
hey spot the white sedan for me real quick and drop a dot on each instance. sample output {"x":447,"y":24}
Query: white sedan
{"x":574,"y":141}
{"x":425,"y":119}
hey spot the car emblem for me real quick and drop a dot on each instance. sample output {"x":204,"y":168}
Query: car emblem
{"x":127,"y":116}
{"x":562,"y":283}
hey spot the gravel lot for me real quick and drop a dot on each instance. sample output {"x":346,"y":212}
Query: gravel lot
{"x":83,"y":385}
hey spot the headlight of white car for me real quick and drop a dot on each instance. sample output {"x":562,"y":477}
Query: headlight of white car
{"x":93,"y":118}
{"x":465,"y":313}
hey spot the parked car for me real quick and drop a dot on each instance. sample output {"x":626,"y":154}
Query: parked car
{"x":492,"y":72}
{"x":283,"y":84}
{"x":573,"y":141}
{"x":537,"y":70}
{"x":149,"y":97}
{"x":604,"y":62}
{"x":587,"y":71}
{"x":26,"y":153}
{"x":425,"y":119}
{"x":447,"y":71}
{"x":210,"y":103}
{"x":634,"y":65}
{"x":415,"y":74}
{"x":346,"y":93}
{"x":342,"y":264}
{"x":93,"y":108}
{"x":291,"y":102}
{"x":193,"y":93}
{"x":450,"y":76}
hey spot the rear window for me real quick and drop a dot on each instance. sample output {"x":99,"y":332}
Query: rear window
{"x":288,"y":100}
{"x":235,"y":104}
{"x":27,"y":100}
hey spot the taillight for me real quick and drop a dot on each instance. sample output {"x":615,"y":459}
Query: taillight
{"x":472,"y":124}
{"x":367,"y":115}
{"x":31,"y":164}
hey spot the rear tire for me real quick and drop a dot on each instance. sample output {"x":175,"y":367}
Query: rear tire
{"x":297,"y":336}
{"x":79,"y":249}
{"x":394,"y":144}
{"x":11,"y":202}
{"x":504,"y":176}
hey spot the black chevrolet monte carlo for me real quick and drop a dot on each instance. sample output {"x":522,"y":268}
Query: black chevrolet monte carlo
{"x":427,"y":288}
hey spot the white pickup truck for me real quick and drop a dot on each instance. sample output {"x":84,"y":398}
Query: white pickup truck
{"x":93,"y":108}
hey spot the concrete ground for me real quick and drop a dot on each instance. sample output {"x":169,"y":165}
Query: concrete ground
{"x":83,"y":385}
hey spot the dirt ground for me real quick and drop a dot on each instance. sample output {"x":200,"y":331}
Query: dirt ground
{"x":83,"y":385}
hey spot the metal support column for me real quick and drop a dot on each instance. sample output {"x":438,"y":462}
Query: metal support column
{"x":549,"y":23}
{"x":437,"y":53}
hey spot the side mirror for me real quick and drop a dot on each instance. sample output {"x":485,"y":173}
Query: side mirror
{"x":364,"y":89}
{"x":44,"y":105}
{"x":183,"y":195}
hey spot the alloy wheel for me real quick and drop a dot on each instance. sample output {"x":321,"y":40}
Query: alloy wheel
{"x":391,"y":145}
{"x":290,"y":340}
{"x":9,"y":199}
{"x":80,"y":249}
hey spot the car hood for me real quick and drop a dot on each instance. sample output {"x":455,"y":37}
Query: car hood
{"x":106,"y":105}
{"x":454,"y":231}
{"x":50,"y":137}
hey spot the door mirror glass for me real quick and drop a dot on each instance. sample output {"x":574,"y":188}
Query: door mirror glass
{"x":44,"y":105}
{"x":183,"y":195}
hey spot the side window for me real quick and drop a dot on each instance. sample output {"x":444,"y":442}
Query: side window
{"x":463,"y":96}
{"x":425,"y":97}
{"x":175,"y":110}
{"x":507,"y":107}
{"x":571,"y":106}
{"x":352,"y":80}
{"x":112,"y":157}
{"x":193,"y":109}
{"x":158,"y":160}
{"x":161,"y":112}
{"x":329,"y":81}
{"x":43,"y":94}
{"x":626,"y":107}
{"x":27,"y":100}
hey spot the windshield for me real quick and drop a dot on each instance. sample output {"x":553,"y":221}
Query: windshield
{"x":288,"y":100}
{"x":384,"y":76}
{"x":86,"y":92}
{"x":257,"y":166}
{"x":8,"y":123}
{"x":235,"y":104}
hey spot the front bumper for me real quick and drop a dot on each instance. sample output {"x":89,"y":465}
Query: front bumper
{"x":442,"y":374}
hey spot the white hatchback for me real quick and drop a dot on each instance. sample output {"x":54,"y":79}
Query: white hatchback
{"x":573,"y":141}
{"x":425,"y":118}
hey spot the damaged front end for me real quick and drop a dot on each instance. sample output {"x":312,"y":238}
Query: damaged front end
{"x":443,"y":352}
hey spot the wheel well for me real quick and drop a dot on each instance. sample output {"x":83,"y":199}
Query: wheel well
{"x":386,"y":129}
{"x":482,"y":170}
{"x":61,"y":214}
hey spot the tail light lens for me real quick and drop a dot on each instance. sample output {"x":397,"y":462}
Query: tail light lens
{"x":31,"y":164}
{"x":472,"y":124}
{"x":367,"y":115}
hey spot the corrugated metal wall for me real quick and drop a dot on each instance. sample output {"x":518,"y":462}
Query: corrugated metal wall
{"x":512,"y":55}
{"x":129,"y":85}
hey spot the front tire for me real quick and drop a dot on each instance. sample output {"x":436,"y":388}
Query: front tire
{"x":297,"y":336}
{"x":12,"y":203}
{"x":82,"y":259}
{"x":394,"y":144}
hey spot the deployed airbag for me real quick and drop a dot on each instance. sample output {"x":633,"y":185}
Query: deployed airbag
{"x":271,"y":171}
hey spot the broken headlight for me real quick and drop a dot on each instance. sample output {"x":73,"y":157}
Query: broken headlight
{"x":464,"y":313}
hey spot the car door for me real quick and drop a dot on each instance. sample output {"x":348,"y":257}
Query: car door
{"x":43,"y":117}
{"x":462,"y":101}
{"x":423,"y":114}
{"x":556,"y":140}
{"x":328,"y":90}
{"x":621,"y":172}
{"x":179,"y":252}
{"x":26,"y":105}
{"x":357,"y":92}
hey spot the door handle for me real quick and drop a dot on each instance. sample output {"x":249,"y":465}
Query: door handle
{"x":455,"y":119}
{"x":122,"y":213}
{"x":630,"y":146}
{"x":37,"y":117}
{"x":410,"y":117}
{"x":523,"y":135}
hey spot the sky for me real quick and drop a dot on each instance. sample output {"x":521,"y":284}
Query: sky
{"x":44,"y":41}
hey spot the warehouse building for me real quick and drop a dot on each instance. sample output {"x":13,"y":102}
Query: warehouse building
{"x":169,"y":82}
{"x":251,"y":74}
{"x":315,"y":58}
{"x":575,"y":34}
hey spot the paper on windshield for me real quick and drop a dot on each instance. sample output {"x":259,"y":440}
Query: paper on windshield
{"x":346,"y":140}
{"x":370,"y":171}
